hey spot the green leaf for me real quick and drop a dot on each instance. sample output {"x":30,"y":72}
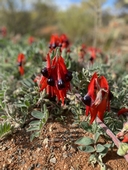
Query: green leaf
{"x":33,"y":135}
{"x":92,"y":158}
{"x":21,"y":105}
{"x":84,"y":141}
{"x":103,"y":166}
{"x":86,"y":126}
{"x":44,"y":120}
{"x":27,"y":103}
{"x":34,"y":122}
{"x":33,"y":128}
{"x":88,"y":149}
{"x":27,"y":82}
{"x":96,"y":136}
{"x":5,"y":129}
{"x":37,"y":114}
{"x":3,"y":117}
{"x":108,"y":145}
{"x":100,"y":148}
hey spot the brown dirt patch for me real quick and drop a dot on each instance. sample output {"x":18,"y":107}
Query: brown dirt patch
{"x":53,"y":150}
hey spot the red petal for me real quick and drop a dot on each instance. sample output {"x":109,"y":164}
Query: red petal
{"x":62,"y":64}
{"x":101,"y":109}
{"x":48,"y":61}
{"x":21,"y":70}
{"x":43,"y":84}
{"x":56,"y":92}
{"x":121,"y":111}
{"x":48,"y":89}
{"x":125,"y":140}
{"x":62,"y":96}
{"x":20,"y":57}
{"x":93,"y":112}
{"x":103,"y":83}
{"x":91,"y":87}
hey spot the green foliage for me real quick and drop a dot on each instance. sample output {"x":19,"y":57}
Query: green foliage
{"x":36,"y":125}
{"x":91,"y":144}
{"x":123,"y":149}
{"x":5,"y":129}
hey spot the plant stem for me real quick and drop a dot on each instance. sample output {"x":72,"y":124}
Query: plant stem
{"x":109,"y":132}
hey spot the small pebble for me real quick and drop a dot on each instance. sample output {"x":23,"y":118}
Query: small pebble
{"x":53,"y":160}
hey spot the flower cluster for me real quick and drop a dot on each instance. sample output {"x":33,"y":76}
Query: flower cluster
{"x":31,"y":40}
{"x":20,"y":63}
{"x":55,"y":78}
{"x":3,"y":31}
{"x":92,"y":52}
{"x":58,"y":41}
{"x":81,"y":52}
{"x":97,"y":100}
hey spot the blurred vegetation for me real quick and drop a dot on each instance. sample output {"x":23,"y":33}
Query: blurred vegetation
{"x":88,"y":22}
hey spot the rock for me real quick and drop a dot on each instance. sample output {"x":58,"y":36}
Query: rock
{"x":37,"y":165}
{"x":4,"y":148}
{"x":50,"y":128}
{"x":45,"y":141}
{"x":53,"y":160}
{"x":9,"y":161}
{"x":72,"y":168}
{"x":64,"y":148}
{"x":38,"y":149}
{"x":65,"y":155}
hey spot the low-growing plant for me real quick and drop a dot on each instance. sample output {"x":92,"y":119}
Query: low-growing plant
{"x":93,"y":145}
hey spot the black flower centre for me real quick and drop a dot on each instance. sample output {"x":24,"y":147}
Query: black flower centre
{"x":87,"y":100}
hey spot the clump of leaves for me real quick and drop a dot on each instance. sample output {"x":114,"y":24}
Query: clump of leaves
{"x":93,"y":145}
{"x":35,"y":126}
{"x":5,"y":129}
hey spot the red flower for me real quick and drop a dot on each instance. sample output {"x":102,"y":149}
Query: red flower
{"x":55,"y":78}
{"x":64,"y":41}
{"x":93,"y":52}
{"x":82,"y":52}
{"x":31,"y":40}
{"x":122,"y":111}
{"x":21,"y":61}
{"x":59,"y":41}
{"x":97,"y":98}
{"x":3,"y":31}
{"x":54,"y":41}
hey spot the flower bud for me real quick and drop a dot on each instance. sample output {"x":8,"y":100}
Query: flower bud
{"x":60,"y":84}
{"x":44,"y":71}
{"x":87,"y":100}
{"x":51,"y":81}
{"x":68,"y":76}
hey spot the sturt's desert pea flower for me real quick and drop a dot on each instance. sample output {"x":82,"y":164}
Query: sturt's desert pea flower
{"x":3,"y":31}
{"x":20,"y":63}
{"x":59,"y":41}
{"x":31,"y":40}
{"x":97,"y":98}
{"x":81,"y":52}
{"x":54,"y":41}
{"x":64,"y":41}
{"x":55,"y":78}
{"x":93,"y":53}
